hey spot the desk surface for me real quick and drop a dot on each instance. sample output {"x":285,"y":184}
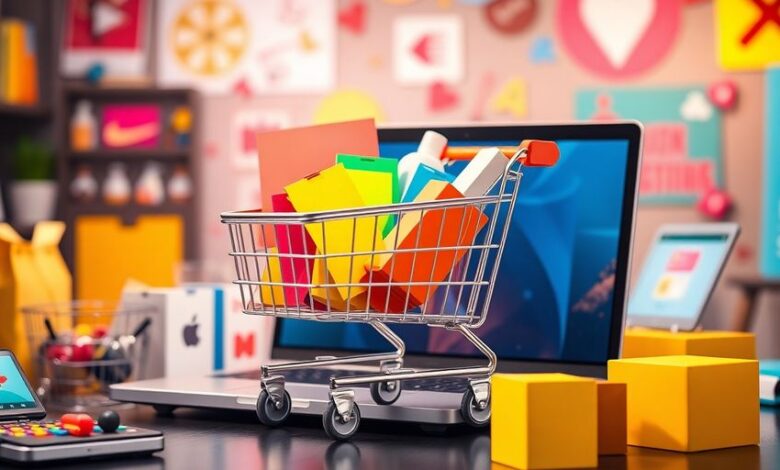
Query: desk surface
{"x":200,"y":439}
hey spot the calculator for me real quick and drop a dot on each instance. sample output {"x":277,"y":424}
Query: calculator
{"x":26,"y":436}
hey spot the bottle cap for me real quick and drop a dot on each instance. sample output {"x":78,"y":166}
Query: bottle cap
{"x":432,"y":145}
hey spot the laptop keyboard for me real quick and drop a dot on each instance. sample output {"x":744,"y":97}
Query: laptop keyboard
{"x":322,"y":376}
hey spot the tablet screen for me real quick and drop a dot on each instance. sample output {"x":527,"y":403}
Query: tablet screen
{"x":14,"y":392}
{"x":678,"y":275}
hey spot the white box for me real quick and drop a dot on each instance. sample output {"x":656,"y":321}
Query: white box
{"x":200,"y":329}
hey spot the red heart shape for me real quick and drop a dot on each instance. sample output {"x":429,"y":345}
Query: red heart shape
{"x":3,"y":379}
{"x":353,"y":17}
{"x":442,"y":97}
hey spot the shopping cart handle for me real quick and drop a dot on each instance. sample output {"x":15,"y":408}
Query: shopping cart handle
{"x":540,"y":152}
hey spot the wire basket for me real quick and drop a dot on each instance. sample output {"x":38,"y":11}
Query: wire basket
{"x":83,"y":347}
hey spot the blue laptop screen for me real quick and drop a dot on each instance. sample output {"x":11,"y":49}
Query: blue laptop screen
{"x":554,"y":293}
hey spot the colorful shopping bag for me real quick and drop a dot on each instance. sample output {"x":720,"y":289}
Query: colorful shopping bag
{"x":31,"y":272}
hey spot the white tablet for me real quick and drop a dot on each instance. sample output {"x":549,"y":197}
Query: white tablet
{"x":679,"y":275}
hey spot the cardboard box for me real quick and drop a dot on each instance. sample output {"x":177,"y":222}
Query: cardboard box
{"x":690,"y":403}
{"x":544,"y":421}
{"x":638,"y":342}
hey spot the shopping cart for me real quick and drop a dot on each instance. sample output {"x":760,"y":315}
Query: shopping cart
{"x":458,"y":301}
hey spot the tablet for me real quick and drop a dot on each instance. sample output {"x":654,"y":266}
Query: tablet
{"x":679,"y":275}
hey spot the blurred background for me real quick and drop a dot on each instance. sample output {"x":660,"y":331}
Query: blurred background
{"x":134,"y":121}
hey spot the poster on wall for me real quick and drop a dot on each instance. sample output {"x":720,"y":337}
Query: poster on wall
{"x":274,"y":46}
{"x":747,"y":33}
{"x":428,"y":48}
{"x":681,"y":147}
{"x":113,"y":34}
{"x":770,"y":221}
{"x":245,"y":126}
{"x":615,"y":38}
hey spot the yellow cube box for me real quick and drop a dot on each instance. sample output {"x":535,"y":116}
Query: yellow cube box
{"x":612,"y":417}
{"x":639,"y":342}
{"x":690,"y":403}
{"x":543,"y":421}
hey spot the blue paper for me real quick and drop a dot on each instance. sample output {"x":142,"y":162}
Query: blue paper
{"x":421,"y":177}
{"x":770,"y":221}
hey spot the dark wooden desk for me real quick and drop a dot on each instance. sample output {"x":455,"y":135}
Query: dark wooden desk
{"x":198,"y":439}
{"x":751,"y":287}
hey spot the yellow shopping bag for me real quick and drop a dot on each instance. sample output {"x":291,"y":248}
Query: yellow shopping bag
{"x":31,"y":272}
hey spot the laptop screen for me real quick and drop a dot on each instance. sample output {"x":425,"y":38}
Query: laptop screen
{"x":553,"y":298}
{"x":14,"y":392}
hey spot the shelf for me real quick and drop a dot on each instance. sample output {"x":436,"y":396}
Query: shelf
{"x":129,"y":212}
{"x":9,"y":110}
{"x":141,"y":91}
{"x":129,"y":155}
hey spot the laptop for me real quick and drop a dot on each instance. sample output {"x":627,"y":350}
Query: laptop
{"x":558,"y":303}
{"x":25,"y":437}
{"x":679,"y":275}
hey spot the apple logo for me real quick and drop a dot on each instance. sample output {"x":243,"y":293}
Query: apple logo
{"x":190,"y":332}
{"x":3,"y":380}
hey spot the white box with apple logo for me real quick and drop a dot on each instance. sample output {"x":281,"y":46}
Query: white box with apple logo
{"x":182,"y":337}
{"x":200,"y":329}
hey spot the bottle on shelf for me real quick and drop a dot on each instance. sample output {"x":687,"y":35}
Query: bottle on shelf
{"x":150,"y":189}
{"x":83,"y":128}
{"x":180,"y":185}
{"x":116,"y":189}
{"x":84,"y":186}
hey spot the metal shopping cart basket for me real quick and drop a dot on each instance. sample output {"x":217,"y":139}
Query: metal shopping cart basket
{"x":441,"y":274}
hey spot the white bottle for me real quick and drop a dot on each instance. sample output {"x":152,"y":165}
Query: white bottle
{"x":180,"y":186}
{"x":83,"y":128}
{"x":429,"y":152}
{"x":84,"y":186}
{"x":149,"y":189}
{"x":116,"y":190}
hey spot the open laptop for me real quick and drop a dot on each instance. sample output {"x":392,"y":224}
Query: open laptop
{"x":558,"y":303}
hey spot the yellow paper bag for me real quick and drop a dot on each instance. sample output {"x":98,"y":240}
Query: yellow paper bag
{"x":31,"y":273}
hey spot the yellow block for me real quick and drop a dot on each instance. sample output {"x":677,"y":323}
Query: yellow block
{"x":543,"y":421}
{"x":690,"y":403}
{"x":646,"y":343}
{"x":108,"y":253}
{"x":612,"y":417}
{"x":745,"y":40}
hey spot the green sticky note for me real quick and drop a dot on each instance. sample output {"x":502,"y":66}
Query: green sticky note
{"x":377,"y":181}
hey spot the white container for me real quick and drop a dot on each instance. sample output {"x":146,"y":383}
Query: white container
{"x":203,"y":330}
{"x":429,"y":152}
{"x":482,"y":172}
{"x":33,"y":201}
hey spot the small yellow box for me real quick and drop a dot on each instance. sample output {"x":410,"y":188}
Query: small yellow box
{"x":612,"y":417}
{"x":639,"y":342}
{"x":690,"y":403}
{"x":544,"y":421}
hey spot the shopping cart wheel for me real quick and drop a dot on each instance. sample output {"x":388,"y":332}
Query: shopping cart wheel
{"x":386,"y":393}
{"x":471,"y":411}
{"x":273,"y":412}
{"x":336,"y":427}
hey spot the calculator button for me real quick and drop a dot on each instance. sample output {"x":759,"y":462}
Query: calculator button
{"x":97,"y":429}
{"x":59,"y":432}
{"x":121,"y":428}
